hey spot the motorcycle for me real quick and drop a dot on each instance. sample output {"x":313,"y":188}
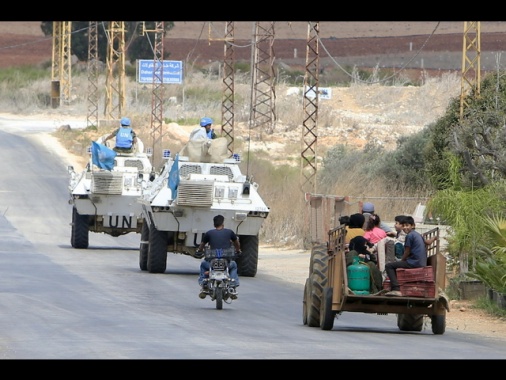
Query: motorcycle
{"x":219,"y":282}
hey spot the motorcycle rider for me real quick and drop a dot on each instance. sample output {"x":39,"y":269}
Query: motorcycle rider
{"x":219,"y":238}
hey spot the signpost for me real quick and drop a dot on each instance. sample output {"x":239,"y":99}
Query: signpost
{"x":172,"y":71}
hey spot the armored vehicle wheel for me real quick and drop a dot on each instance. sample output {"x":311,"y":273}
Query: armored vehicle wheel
{"x":80,"y":230}
{"x":410,"y":322}
{"x":438,"y":324}
{"x":327,"y":315}
{"x":72,"y":237}
{"x":144,"y":246}
{"x":218,"y":292}
{"x":157,"y":254}
{"x":247,"y":263}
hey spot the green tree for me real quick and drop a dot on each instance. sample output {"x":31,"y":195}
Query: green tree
{"x":491,"y":265}
{"x":466,"y":209}
{"x":477,"y":140}
{"x":406,"y":166}
{"x":437,"y":147}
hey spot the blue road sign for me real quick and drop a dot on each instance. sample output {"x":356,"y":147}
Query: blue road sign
{"x":172,"y":71}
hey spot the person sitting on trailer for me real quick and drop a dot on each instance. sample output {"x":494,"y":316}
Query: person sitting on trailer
{"x":354,"y":228}
{"x":415,"y":255}
{"x":361,"y":247}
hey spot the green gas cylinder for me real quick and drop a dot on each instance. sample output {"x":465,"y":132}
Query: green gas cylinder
{"x":358,"y":277}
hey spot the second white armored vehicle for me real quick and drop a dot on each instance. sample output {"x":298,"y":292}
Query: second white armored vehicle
{"x":193,"y":187}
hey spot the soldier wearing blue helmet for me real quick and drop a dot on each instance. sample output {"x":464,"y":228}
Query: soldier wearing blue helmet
{"x":125,"y":136}
{"x":207,"y":123}
{"x":205,"y":130}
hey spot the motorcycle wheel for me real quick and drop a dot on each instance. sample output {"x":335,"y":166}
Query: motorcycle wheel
{"x":219,"y":298}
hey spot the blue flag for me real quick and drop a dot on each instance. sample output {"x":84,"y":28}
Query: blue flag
{"x":102,"y":156}
{"x":173,"y":182}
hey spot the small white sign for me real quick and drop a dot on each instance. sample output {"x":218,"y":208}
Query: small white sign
{"x":325,"y":93}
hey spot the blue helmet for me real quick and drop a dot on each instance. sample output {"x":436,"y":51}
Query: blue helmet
{"x":205,"y":121}
{"x":125,"y":121}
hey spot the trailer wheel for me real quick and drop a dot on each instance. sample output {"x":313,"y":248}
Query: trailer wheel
{"x":318,"y":280}
{"x":410,"y":322}
{"x":157,"y":254}
{"x":327,"y":315}
{"x":438,"y":324}
{"x":313,"y":311}
{"x":144,"y":246}
{"x":304,"y":302}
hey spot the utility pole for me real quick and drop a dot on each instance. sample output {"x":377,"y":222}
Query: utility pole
{"x":157,"y":93}
{"x":263,"y":113}
{"x":92,"y":98}
{"x":227,"y":106}
{"x":310,"y":106}
{"x":469,"y":83}
{"x":61,"y":64}
{"x":115,"y":84}
{"x":471,"y":63}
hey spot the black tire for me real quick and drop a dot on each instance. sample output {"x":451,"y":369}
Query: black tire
{"x":218,"y":292}
{"x":144,"y":246}
{"x":247,"y":263}
{"x":327,"y":316}
{"x":313,"y":313}
{"x":157,"y":253}
{"x":72,"y":234}
{"x":80,"y":230}
{"x":318,"y":278}
{"x":410,"y":322}
{"x":304,"y":302}
{"x":438,"y":324}
{"x":321,"y":249}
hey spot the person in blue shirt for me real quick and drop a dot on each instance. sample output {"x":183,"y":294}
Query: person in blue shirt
{"x":415,"y":255}
{"x":125,"y":136}
{"x":219,"y":238}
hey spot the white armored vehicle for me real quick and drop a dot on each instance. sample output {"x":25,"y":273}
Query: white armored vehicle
{"x":106,"y":200}
{"x":193,"y":187}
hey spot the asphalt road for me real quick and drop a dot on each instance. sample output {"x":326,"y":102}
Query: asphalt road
{"x":57,"y":302}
